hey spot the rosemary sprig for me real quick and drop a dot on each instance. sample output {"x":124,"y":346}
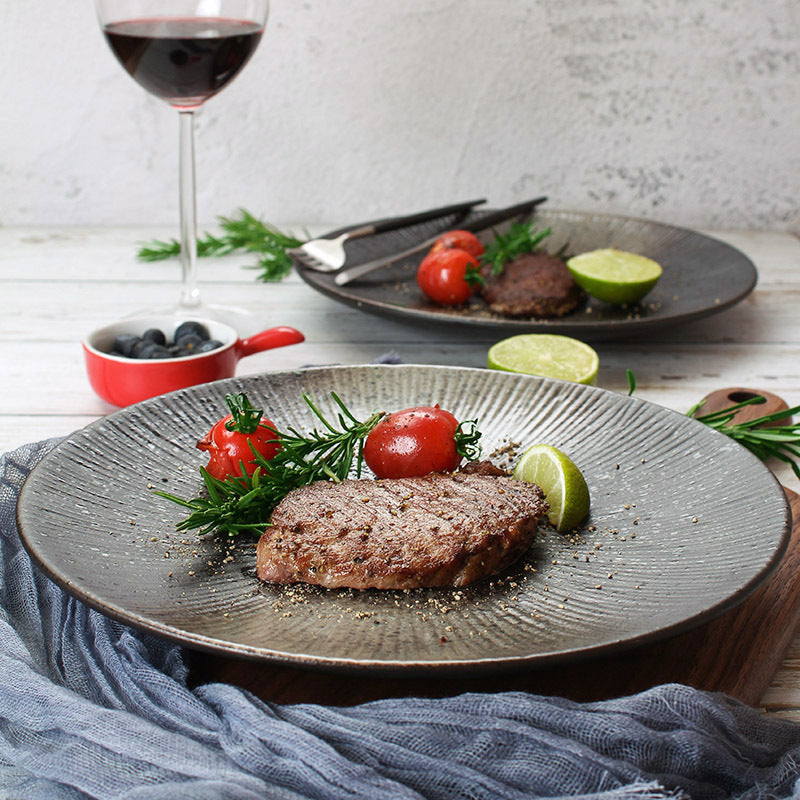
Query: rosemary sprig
{"x":245,"y":232}
{"x":520,"y":238}
{"x":776,"y":441}
{"x":244,"y":503}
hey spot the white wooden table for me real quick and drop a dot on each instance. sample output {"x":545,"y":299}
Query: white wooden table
{"x":56,"y":284}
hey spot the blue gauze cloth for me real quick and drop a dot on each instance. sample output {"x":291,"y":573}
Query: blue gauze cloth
{"x":92,"y":708}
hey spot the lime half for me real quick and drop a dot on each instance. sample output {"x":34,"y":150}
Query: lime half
{"x":546,"y":354}
{"x":561,"y":481}
{"x":614,"y":276}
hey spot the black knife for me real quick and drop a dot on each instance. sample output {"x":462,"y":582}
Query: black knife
{"x":480,"y":223}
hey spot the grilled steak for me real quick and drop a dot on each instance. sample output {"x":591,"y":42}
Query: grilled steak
{"x":532,"y":285}
{"x":443,"y":529}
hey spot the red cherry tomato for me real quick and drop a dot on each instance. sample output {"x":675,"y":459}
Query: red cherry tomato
{"x":442,"y":276}
{"x":228,"y":442}
{"x":413,"y":442}
{"x":459,"y":240}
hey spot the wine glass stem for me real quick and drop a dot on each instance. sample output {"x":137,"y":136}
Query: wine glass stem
{"x":190,"y":294}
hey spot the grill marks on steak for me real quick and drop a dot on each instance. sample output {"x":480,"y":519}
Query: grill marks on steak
{"x":443,"y":529}
{"x":532,"y":285}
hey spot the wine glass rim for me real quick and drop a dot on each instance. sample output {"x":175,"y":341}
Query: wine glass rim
{"x":246,"y":11}
{"x":161,"y":17}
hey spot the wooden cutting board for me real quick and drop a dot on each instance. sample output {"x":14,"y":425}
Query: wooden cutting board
{"x":736,"y":653}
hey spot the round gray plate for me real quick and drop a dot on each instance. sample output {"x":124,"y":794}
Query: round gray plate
{"x":684,"y":524}
{"x":702,"y":276}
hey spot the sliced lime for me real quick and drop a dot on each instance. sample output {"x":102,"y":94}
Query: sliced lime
{"x":614,"y":276}
{"x":546,"y":354}
{"x":561,"y":481}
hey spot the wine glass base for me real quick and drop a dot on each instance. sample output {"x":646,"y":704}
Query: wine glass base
{"x":244,"y":322}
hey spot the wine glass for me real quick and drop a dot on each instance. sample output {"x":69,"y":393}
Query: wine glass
{"x":184,"y":52}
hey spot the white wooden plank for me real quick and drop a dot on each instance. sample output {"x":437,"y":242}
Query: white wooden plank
{"x":675,"y":377}
{"x":70,"y":310}
{"x":103,"y":254}
{"x":16,"y":431}
{"x":774,"y":254}
{"x":61,"y":254}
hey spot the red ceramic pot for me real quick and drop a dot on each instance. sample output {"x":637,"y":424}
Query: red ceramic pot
{"x":122,"y":381}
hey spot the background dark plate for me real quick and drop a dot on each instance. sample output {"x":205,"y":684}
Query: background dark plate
{"x":702,"y":276}
{"x":684,"y":524}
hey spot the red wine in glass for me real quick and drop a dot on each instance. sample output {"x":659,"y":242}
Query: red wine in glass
{"x":184,"y":52}
{"x":183,"y":60}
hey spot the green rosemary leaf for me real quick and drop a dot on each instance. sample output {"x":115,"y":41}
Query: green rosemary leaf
{"x":788,"y":460}
{"x":774,"y":417}
{"x":728,"y":412}
{"x":175,"y":499}
{"x":157,"y":251}
{"x":210,"y":487}
{"x":244,"y":232}
{"x":632,"y":382}
{"x":767,"y":435}
{"x":520,"y":238}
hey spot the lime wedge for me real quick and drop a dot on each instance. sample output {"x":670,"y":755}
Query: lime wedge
{"x":546,"y":354}
{"x":613,"y":275}
{"x":561,"y":481}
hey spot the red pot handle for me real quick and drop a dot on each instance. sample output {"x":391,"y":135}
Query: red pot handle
{"x":268,"y":340}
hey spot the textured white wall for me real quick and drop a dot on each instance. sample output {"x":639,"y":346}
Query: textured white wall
{"x":686,"y":111}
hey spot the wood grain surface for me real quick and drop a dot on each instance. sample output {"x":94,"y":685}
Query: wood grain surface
{"x":60,"y":282}
{"x":736,"y":653}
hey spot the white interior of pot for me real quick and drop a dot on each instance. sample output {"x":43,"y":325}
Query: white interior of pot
{"x":101,"y":341}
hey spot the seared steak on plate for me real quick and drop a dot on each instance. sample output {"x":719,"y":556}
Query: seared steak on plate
{"x":443,"y":529}
{"x":532,"y":285}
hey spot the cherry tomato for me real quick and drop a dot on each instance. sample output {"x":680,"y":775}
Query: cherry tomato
{"x":459,"y":240}
{"x":442,"y":276}
{"x":228,"y":441}
{"x":414,"y":442}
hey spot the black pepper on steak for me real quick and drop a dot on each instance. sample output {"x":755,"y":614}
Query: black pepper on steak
{"x":443,"y":529}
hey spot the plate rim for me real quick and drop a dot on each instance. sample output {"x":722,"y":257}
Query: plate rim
{"x":454,"y":667}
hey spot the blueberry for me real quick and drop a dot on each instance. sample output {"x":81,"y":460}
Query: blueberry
{"x":153,"y":350}
{"x":192,"y":327}
{"x":208,"y":346}
{"x":124,"y":343}
{"x":138,"y":348}
{"x":189,"y":341}
{"x":154,"y":335}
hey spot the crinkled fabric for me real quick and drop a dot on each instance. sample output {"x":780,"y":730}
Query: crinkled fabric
{"x":90,"y":708}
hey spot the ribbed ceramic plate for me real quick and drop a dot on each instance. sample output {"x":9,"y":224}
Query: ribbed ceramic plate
{"x":702,"y":276}
{"x":684,"y":524}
